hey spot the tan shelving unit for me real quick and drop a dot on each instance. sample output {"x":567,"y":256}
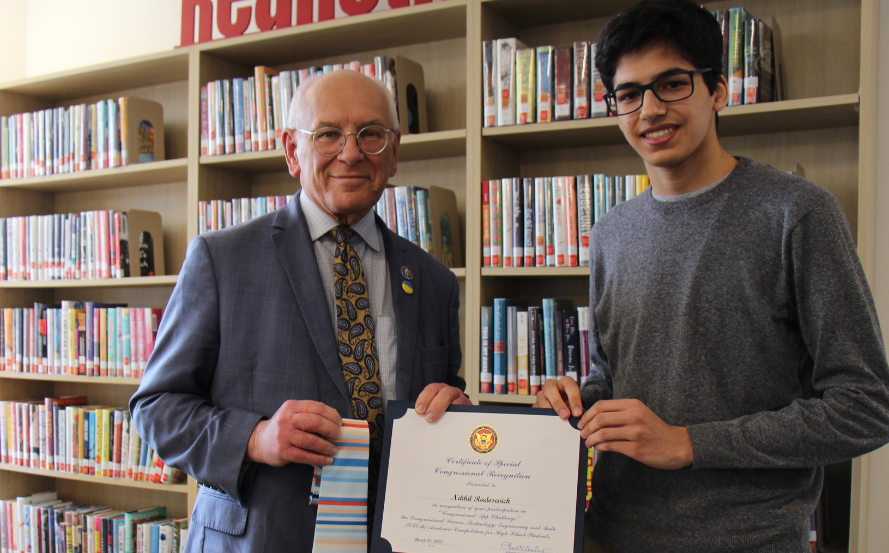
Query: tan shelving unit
{"x":826,"y":124}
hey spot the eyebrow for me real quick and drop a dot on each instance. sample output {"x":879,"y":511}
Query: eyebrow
{"x":660,"y":75}
{"x":322,"y":124}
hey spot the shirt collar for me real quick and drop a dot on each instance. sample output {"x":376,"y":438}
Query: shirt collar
{"x":320,"y":223}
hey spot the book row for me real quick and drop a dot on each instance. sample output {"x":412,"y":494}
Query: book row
{"x":546,"y":221}
{"x":246,"y":115}
{"x":538,"y":85}
{"x":220,"y":214}
{"x":523,"y":346}
{"x":405,"y":209}
{"x":748,"y":57}
{"x":108,"y":133}
{"x":78,"y":338}
{"x":68,"y":435}
{"x":43,"y":523}
{"x":85,"y":245}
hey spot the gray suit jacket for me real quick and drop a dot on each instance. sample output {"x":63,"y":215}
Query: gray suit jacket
{"x":248,"y":328}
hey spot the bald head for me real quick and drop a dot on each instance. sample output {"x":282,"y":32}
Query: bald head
{"x":320,"y":87}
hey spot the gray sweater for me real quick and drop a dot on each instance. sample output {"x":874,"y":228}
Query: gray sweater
{"x":742,"y":313}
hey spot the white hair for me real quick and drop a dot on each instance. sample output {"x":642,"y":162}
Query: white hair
{"x":296,"y":109}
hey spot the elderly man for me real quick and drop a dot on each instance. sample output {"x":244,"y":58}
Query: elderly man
{"x":281,"y":327}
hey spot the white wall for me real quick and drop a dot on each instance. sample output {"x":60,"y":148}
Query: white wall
{"x":66,"y":34}
{"x":12,"y":39}
{"x":878,"y":499}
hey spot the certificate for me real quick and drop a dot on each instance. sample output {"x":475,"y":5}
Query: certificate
{"x":480,"y":479}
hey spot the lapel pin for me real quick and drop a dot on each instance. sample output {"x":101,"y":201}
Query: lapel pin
{"x":407,"y":273}
{"x":406,"y":286}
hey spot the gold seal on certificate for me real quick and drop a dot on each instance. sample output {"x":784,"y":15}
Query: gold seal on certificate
{"x":507,"y":479}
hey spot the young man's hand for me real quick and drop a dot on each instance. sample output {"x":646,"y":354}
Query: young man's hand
{"x":628,"y":426}
{"x":562,"y":395}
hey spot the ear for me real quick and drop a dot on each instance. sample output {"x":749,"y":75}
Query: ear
{"x":720,"y":95}
{"x":396,"y":144}
{"x":290,"y":152}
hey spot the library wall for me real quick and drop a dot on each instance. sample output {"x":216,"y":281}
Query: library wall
{"x":878,"y":485}
{"x":12,"y":39}
{"x":61,"y":35}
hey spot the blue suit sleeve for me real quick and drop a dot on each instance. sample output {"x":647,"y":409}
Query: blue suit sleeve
{"x":173,"y":408}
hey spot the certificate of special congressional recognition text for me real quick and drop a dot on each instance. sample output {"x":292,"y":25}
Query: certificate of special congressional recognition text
{"x":480,"y":479}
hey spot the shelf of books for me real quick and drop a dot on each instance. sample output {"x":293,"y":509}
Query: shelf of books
{"x":93,"y":210}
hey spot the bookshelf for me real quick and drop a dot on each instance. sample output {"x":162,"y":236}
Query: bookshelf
{"x":827,"y":124}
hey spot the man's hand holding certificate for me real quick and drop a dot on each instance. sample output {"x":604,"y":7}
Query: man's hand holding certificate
{"x":480,"y":479}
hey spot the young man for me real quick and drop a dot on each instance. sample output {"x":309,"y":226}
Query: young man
{"x":734,"y":341}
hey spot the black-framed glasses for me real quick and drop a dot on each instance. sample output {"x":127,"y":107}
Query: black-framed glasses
{"x":674,"y":87}
{"x":330,"y":141}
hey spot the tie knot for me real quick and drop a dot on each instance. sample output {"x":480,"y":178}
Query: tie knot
{"x":342,"y":233}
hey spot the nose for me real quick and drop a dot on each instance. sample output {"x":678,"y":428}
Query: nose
{"x":351,"y":153}
{"x":652,"y":106}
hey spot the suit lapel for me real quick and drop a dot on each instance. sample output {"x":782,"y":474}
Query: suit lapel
{"x":407,"y":310}
{"x":290,"y":234}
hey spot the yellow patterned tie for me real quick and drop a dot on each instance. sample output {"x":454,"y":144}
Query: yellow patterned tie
{"x":358,"y":351}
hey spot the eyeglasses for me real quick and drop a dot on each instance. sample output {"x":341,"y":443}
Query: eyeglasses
{"x":330,"y":141}
{"x":670,"y":88}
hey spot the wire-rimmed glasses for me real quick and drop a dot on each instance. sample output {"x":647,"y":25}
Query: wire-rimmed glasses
{"x":330,"y":141}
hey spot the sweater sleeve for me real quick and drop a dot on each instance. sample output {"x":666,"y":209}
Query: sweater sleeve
{"x":846,"y":411}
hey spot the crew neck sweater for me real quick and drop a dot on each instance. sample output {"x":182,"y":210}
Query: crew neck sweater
{"x":743,"y":314}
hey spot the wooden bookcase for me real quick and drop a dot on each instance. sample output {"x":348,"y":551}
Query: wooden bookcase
{"x":827,"y":125}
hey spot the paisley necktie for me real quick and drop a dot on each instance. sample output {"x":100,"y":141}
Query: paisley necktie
{"x":358,"y":350}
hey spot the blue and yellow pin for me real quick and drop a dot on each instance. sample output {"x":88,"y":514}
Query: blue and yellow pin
{"x":406,"y":284}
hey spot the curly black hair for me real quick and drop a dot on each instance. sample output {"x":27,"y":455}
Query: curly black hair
{"x":679,"y":24}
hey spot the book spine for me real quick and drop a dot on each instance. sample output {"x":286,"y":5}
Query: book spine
{"x":277,"y":116}
{"x":550,"y":223}
{"x":228,"y":119}
{"x":269,"y":112}
{"x":247,"y":122}
{"x":486,"y":225}
{"x":114,"y":132}
{"x":600,"y":197}
{"x":424,"y":221}
{"x":500,"y":336}
{"x":496,"y":223}
{"x":571,"y":220}
{"x":583,"y":330}
{"x":598,"y":108}
{"x":562,"y":84}
{"x":549,"y":339}
{"x":535,"y":343}
{"x":559,"y":334}
{"x":522,"y":353}
{"x":737,"y":25}
{"x":205,"y":129}
{"x":584,"y":217}
{"x":526,"y":86}
{"x":581,"y":80}
{"x":544,"y":84}
{"x":571,"y":344}
{"x":486,"y":380}
{"x":540,"y":221}
{"x":518,"y":223}
{"x":511,"y":349}
{"x":528,"y":221}
{"x":412,"y":223}
{"x":506,"y":216}
{"x":238,"y":113}
{"x":401,"y":201}
{"x":212,"y":129}
{"x":506,"y":90}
